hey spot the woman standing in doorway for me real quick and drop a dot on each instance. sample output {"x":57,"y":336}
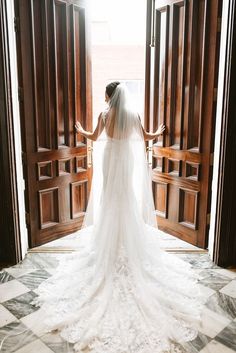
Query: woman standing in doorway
{"x":120,"y":293}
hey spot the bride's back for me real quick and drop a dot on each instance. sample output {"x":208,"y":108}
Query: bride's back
{"x":121,"y":127}
{"x":110,"y":122}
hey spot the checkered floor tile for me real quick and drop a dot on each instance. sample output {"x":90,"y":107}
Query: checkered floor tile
{"x":217,"y":333}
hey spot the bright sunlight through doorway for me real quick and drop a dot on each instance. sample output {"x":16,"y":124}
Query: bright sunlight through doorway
{"x":118,"y":49}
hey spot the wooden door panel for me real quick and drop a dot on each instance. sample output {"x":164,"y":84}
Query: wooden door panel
{"x":182,"y":96}
{"x":60,"y":26}
{"x":48,"y":205}
{"x":161,"y":198}
{"x":160,"y":67}
{"x":78,"y":194}
{"x":54,"y":78}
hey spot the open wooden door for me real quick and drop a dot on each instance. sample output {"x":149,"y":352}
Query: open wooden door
{"x":54,"y":92}
{"x":10,"y":247}
{"x":181,"y":90}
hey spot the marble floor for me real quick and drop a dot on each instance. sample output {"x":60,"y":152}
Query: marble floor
{"x":217,"y":333}
{"x":166,"y":242}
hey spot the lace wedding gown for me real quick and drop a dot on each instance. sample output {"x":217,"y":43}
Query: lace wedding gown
{"x":119,"y":293}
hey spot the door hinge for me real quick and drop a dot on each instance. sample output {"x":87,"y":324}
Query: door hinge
{"x":219,"y":21}
{"x":211,"y":159}
{"x":17,"y":24}
{"x":27,"y":218}
{"x":20,"y":94}
{"x":215,"y":94}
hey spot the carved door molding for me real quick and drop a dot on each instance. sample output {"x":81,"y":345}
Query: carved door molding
{"x":54,"y":91}
{"x":181,"y":87}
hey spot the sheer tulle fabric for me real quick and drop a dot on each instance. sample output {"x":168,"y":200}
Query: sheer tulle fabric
{"x":119,"y":293}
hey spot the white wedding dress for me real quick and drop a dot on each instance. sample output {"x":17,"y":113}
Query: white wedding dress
{"x":119,"y":293}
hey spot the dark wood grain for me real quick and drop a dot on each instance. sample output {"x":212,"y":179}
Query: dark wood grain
{"x":55,"y":73}
{"x":182,"y":97}
{"x":10,"y":248}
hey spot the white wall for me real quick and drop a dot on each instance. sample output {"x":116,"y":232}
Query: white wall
{"x":16,"y":118}
{"x":218,"y":125}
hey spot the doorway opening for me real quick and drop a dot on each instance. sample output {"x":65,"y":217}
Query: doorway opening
{"x":118,"y":53}
{"x":118,"y":49}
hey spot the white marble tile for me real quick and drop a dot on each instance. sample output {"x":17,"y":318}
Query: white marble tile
{"x":35,"y":323}
{"x":224,"y":272}
{"x":5,"y":316}
{"x":212,"y":323}
{"x":35,"y":346}
{"x":222,"y":304}
{"x":199,"y":271}
{"x":166,"y":241}
{"x":216,"y":347}
{"x":230,"y":289}
{"x":18,"y":272}
{"x":25,"y":264}
{"x":43,"y":260}
{"x":12,"y":289}
{"x":54,"y":341}
{"x":206,"y":291}
{"x":228,"y":336}
{"x":50,"y":270}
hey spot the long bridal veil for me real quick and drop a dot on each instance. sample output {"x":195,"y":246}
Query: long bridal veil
{"x":125,"y":202}
{"x":119,"y":293}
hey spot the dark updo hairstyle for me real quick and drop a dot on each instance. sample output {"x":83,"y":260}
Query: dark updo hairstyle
{"x":110,"y":88}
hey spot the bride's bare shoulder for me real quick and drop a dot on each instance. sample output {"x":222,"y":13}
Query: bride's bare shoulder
{"x":103,"y":115}
{"x":106,"y":113}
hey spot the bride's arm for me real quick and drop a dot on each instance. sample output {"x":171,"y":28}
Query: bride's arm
{"x":91,"y":135}
{"x":152,"y":135}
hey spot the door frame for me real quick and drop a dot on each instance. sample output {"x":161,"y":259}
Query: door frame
{"x":224,"y":244}
{"x":10,"y":217}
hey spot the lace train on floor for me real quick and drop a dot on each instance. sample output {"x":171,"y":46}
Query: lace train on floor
{"x":144,"y":309}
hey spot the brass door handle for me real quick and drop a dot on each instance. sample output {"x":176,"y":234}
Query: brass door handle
{"x":89,"y":156}
{"x":149,"y":150}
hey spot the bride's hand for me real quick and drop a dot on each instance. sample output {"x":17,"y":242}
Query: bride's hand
{"x":78,"y":127}
{"x":160,"y":129}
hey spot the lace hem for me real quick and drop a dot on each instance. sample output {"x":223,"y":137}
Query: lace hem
{"x":131,"y":310}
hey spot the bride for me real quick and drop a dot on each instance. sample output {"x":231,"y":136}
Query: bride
{"x":120,"y":293}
